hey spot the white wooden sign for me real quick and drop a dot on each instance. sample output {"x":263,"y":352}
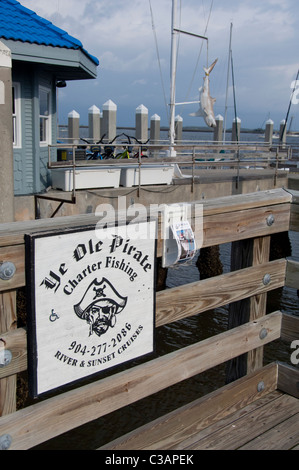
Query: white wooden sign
{"x":91,"y":302}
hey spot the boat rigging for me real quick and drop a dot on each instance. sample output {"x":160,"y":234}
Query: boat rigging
{"x":206,"y":109}
{"x":175,"y":31}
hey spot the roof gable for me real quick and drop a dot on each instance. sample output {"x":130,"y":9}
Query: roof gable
{"x":18,"y":23}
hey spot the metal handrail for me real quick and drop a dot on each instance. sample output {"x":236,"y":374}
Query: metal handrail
{"x":188,"y":154}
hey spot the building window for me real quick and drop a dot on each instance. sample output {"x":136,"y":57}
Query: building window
{"x":44,"y":116}
{"x":16,"y":114}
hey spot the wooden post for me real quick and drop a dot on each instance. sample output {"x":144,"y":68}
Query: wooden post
{"x":241,"y":257}
{"x":244,"y":254}
{"x":7,"y":299}
{"x":258,"y":303}
{"x":209,"y":263}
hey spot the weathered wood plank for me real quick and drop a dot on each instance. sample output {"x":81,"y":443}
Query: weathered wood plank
{"x":237,"y":432}
{"x":288,"y":379}
{"x":290,"y":328}
{"x":38,"y":423}
{"x":13,"y":233}
{"x":190,"y":299}
{"x":292,"y":274}
{"x":283,"y":436}
{"x":178,"y":428}
{"x":246,"y":201}
{"x":243,"y":224}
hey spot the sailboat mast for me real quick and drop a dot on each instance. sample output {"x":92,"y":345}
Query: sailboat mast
{"x":227,"y":81}
{"x":174,"y":34}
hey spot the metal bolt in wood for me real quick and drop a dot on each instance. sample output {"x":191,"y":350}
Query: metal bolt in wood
{"x":263,"y":333}
{"x":5,"y":357}
{"x":260,"y":386}
{"x":7,"y":270}
{"x":266,"y":279}
{"x":270,"y":220}
{"x":5,"y":442}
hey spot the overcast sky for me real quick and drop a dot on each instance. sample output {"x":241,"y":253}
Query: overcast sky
{"x":119,"y":33}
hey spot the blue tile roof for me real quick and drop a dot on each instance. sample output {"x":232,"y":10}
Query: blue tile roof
{"x":21,"y":24}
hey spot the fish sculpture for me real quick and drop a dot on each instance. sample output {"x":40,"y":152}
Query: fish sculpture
{"x":206,"y":101}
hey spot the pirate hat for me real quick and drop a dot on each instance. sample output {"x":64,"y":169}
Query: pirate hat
{"x":99,"y":293}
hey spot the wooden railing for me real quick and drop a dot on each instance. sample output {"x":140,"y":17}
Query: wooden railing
{"x":248,"y":221}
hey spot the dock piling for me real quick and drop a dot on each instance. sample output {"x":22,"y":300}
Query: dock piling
{"x":74,"y":126}
{"x":109,"y":120}
{"x":94,"y":123}
{"x":141,"y":119}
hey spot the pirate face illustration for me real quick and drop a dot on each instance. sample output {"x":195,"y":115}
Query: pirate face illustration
{"x":99,"y":306}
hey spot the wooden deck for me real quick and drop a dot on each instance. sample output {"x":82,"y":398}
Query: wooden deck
{"x":271,"y":423}
{"x":227,"y":419}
